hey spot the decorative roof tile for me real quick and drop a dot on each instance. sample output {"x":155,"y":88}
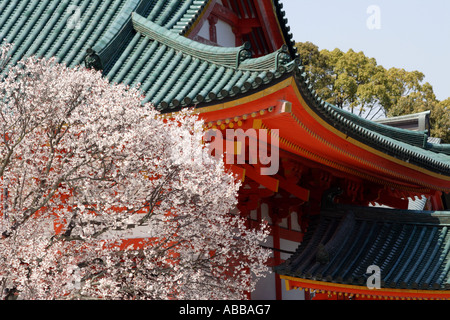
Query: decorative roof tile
{"x":230,"y":57}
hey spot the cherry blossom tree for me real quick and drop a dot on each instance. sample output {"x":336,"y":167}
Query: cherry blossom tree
{"x":105,"y":198}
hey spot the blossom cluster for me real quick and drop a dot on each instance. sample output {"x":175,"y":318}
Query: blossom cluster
{"x":100,"y":201}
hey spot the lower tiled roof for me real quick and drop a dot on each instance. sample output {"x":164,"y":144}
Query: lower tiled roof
{"x":410,"y":247}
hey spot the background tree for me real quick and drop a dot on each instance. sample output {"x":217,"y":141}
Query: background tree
{"x":409,"y":95}
{"x":355,"y":82}
{"x":84,"y":166}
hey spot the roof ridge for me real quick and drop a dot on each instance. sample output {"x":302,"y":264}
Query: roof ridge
{"x":406,"y":116}
{"x":271,"y":61}
{"x":439,"y":148}
{"x":416,"y":138}
{"x":106,"y":45}
{"x":285,"y":28}
{"x":388,"y":214}
{"x":226,"y":56}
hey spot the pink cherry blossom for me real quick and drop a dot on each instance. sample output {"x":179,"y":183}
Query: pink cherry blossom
{"x":99,"y":201}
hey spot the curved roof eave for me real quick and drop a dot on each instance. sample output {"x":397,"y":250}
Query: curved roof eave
{"x":285,"y":29}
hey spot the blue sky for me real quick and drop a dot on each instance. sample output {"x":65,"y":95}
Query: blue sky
{"x":412,"y":34}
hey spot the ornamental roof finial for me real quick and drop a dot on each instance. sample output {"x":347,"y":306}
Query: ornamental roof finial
{"x":92,"y":60}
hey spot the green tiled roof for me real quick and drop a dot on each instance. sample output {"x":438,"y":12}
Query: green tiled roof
{"x":49,"y":28}
{"x":140,"y":41}
{"x":394,"y":141}
{"x":411,"y":248}
{"x":175,"y":15}
{"x":65,"y":29}
{"x":175,"y":71}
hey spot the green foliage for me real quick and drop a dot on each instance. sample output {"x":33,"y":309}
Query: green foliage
{"x":355,"y":82}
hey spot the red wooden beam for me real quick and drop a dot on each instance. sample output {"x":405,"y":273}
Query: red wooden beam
{"x":260,"y":34}
{"x":249,"y":23}
{"x":212,"y":28}
{"x":362,"y":292}
{"x":225,"y":14}
{"x":266,"y":14}
{"x":299,"y":192}
{"x":241,"y":8}
{"x":266,"y":181}
{"x":233,"y":6}
{"x":436,"y":201}
{"x":226,"y":4}
{"x":249,"y":8}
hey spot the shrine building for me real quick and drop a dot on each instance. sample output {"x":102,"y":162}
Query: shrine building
{"x":349,"y":195}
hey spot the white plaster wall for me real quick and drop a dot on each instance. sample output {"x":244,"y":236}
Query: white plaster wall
{"x":225,"y":35}
{"x":204,"y":30}
{"x":265,"y":288}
